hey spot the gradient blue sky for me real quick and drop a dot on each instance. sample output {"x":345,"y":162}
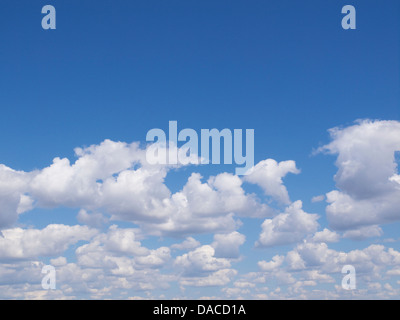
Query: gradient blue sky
{"x":116,"y":69}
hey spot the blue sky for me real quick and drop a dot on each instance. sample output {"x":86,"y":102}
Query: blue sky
{"x":116,"y":69}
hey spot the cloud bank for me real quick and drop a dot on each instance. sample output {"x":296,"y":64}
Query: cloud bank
{"x":130,"y":236}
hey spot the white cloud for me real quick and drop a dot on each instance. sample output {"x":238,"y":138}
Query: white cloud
{"x":207,"y":207}
{"x":288,"y":227}
{"x":13,"y":201}
{"x":367,"y":175}
{"x":326,"y":235}
{"x":188,"y":244}
{"x":295,"y":261}
{"x":20,"y":243}
{"x":115,"y":179}
{"x":319,"y":198}
{"x":311,"y":264}
{"x":363,"y":233}
{"x":119,"y":251}
{"x":217,"y":278}
{"x":271,"y":265}
{"x":318,"y":276}
{"x":268,"y":175}
{"x":156,"y":258}
{"x":200,"y":268}
{"x":94,"y":220}
{"x":201,"y":260}
{"x":220,"y":194}
{"x":244,"y":284}
{"x":58,"y":262}
{"x":227,"y":245}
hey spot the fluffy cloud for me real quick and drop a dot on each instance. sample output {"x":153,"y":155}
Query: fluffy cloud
{"x":95,"y":220}
{"x":366,"y":177}
{"x":13,"y":201}
{"x":369,"y":261}
{"x":113,"y":179}
{"x":77,"y":185}
{"x":310,"y":264}
{"x":227,"y":245}
{"x":119,"y":251}
{"x":201,"y":260}
{"x":218,"y":278}
{"x":268,"y":175}
{"x":207,"y":207}
{"x":288,"y":227}
{"x":188,"y":244}
{"x":363,"y":233}
{"x":271,"y":265}
{"x":326,"y":235}
{"x":221,"y":194}
{"x":20,"y":243}
{"x":200,"y":268}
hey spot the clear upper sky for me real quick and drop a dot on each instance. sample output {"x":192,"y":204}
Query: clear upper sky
{"x":115,"y":69}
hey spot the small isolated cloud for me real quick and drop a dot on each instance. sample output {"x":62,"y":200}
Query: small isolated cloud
{"x":319,"y":198}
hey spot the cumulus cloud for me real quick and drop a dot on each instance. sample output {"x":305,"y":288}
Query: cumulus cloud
{"x":112,"y":182}
{"x":20,"y":243}
{"x":188,"y":244}
{"x":288,"y":227}
{"x":95,"y":220}
{"x":207,"y":207}
{"x":227,"y":245}
{"x":221,"y":194}
{"x":115,"y":179}
{"x":326,"y":235}
{"x":120,"y":252}
{"x":363,"y":233}
{"x":201,"y":260}
{"x":271,"y":265}
{"x":217,"y":278}
{"x":318,"y":256}
{"x":268,"y":174}
{"x":13,"y":201}
{"x":201,"y":268}
{"x":366,"y":177}
{"x":310,"y":264}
